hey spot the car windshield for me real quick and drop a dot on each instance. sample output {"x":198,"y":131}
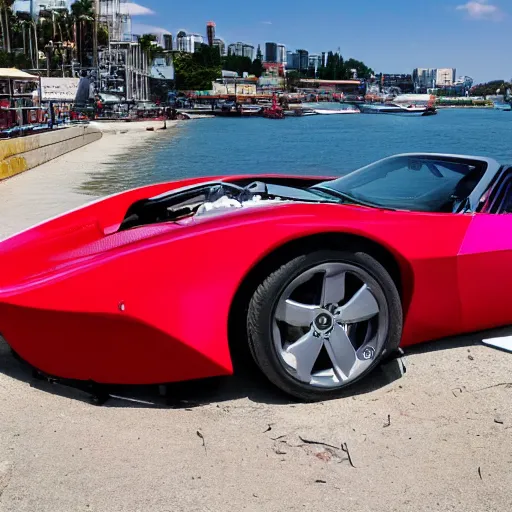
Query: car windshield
{"x":410,"y":182}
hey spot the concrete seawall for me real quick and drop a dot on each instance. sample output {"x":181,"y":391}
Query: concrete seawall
{"x":24,"y":153}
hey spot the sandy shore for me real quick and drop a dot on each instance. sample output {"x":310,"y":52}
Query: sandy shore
{"x":438,"y":439}
{"x":52,"y":188}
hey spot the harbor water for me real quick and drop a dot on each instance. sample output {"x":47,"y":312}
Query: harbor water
{"x":316,"y":145}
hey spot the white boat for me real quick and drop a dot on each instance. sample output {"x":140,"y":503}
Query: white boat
{"x":504,"y":107}
{"x":300,"y":112}
{"x":329,"y":112}
{"x":397,"y":110}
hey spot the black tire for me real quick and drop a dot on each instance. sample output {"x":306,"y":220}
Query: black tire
{"x":264,"y":301}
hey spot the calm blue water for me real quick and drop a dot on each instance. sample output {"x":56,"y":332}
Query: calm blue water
{"x":317,"y":145}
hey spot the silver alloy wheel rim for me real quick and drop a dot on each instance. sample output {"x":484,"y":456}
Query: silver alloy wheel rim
{"x":330,"y":325}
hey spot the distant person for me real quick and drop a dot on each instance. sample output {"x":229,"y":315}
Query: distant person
{"x":51,"y":116}
{"x":99,"y":106}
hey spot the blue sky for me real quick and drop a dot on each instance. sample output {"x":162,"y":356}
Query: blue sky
{"x":392,"y":37}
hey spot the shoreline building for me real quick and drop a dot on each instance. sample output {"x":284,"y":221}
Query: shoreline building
{"x":445,"y":77}
{"x":188,"y":43}
{"x":430,"y":78}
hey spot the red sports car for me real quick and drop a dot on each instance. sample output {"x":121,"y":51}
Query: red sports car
{"x":321,"y":278}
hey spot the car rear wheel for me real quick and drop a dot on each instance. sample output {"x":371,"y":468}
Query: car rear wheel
{"x":323,"y":321}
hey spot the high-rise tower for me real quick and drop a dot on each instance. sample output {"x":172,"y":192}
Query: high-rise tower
{"x":210,"y":32}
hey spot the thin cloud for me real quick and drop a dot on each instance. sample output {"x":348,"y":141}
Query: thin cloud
{"x":481,"y":10}
{"x":135,"y":9}
{"x":139,"y":28}
{"x":266,"y":22}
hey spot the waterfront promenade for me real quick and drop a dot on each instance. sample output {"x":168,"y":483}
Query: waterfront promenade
{"x":437,"y":439}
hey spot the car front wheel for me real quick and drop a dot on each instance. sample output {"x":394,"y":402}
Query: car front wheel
{"x":322,"y":321}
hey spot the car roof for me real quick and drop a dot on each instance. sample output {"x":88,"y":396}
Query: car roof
{"x":490,"y":161}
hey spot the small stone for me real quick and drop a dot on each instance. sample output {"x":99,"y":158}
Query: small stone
{"x":499,"y":420}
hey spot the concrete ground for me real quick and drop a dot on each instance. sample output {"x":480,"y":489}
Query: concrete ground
{"x":437,"y":439}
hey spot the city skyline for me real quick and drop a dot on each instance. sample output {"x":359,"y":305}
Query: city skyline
{"x":436,"y":34}
{"x":387,"y":40}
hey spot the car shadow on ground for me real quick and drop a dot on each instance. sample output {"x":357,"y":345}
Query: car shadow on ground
{"x":247,"y":382}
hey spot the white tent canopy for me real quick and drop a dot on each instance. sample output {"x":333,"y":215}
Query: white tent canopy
{"x":16,"y":74}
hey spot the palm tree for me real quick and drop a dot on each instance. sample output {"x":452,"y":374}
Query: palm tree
{"x":83,"y":13}
{"x":5,"y":12}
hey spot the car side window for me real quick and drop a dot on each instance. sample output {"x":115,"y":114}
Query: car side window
{"x":506,"y":204}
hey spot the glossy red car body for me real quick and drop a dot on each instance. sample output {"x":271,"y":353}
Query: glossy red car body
{"x":80,"y":300}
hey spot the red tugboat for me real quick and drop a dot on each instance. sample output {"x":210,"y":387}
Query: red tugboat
{"x":275,"y":111}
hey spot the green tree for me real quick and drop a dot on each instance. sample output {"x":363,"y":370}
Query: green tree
{"x":191,"y":73}
{"x":237,"y":63}
{"x":256,"y":68}
{"x":5,"y":15}
{"x":82,"y":12}
{"x":207,"y":56}
{"x":362,"y":70}
{"x":490,"y":88}
{"x":292,"y":80}
{"x":148,"y":44}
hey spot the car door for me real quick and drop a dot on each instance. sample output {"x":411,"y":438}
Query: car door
{"x":485,"y":261}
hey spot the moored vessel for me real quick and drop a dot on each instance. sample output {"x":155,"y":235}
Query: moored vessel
{"x":398,"y":110}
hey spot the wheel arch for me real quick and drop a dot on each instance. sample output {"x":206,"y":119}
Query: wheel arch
{"x":398,"y":267}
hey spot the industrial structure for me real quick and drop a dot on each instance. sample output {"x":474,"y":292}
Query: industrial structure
{"x":114,"y":15}
{"x":123,"y":68}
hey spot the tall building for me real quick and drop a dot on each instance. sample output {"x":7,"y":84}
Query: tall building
{"x":445,"y":77}
{"x":289,"y":59}
{"x":303,"y":60}
{"x":248,"y":51}
{"x":221,"y":45}
{"x":271,"y":52}
{"x":424,"y":78}
{"x":259,"y":54}
{"x":315,"y":61}
{"x":429,"y":78}
{"x":188,"y":43}
{"x":292,"y":60}
{"x":210,"y":32}
{"x":168,"y":42}
{"x":236,"y":49}
{"x":241,"y":50}
{"x":281,"y":53}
